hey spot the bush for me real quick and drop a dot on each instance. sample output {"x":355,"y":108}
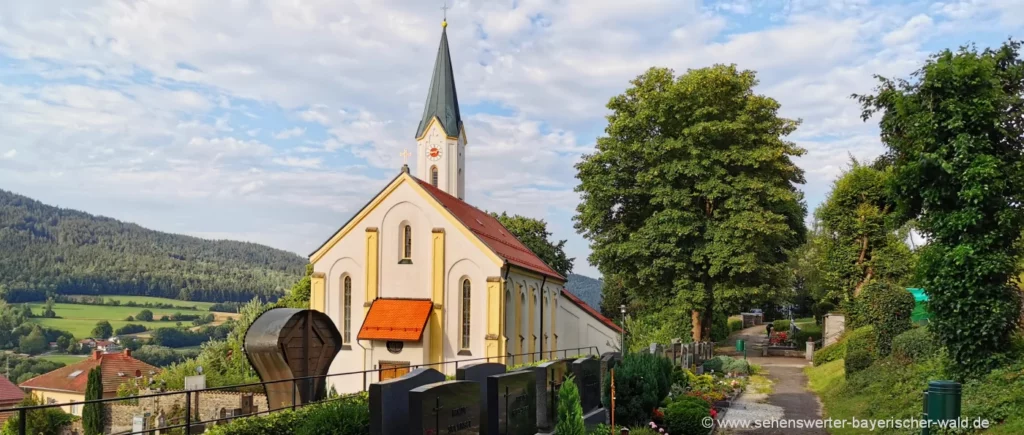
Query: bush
{"x":820,"y":309}
{"x":887,"y":308}
{"x":738,"y":366}
{"x":641,"y":382}
{"x":863,"y":338}
{"x":915,"y":344}
{"x":807,"y":333}
{"x":718,"y":363}
{"x":39,"y":421}
{"x":346,"y":416}
{"x":780,"y":325}
{"x":570,"y":411}
{"x":735,"y":325}
{"x":835,"y":351}
{"x":857,"y":360}
{"x":694,"y":401}
{"x":600,"y":429}
{"x":686,"y":416}
{"x":719,"y":327}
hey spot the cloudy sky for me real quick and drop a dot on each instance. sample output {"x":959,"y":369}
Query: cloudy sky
{"x":274,"y":121}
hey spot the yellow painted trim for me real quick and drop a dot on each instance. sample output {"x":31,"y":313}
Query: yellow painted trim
{"x":435,"y":120}
{"x":372,"y":267}
{"x":530,"y":335}
{"x":517,"y":301}
{"x":437,"y":296}
{"x":317,"y":292}
{"x":492,"y":346}
{"x":554,"y":324}
{"x":456,"y":222}
{"x":356,"y":220}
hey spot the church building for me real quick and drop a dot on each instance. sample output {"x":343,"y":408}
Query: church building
{"x":420,"y":276}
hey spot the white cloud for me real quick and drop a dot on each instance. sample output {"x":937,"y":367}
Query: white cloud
{"x":910,"y":31}
{"x":295,"y":162}
{"x":290,"y":133}
{"x":10,"y":154}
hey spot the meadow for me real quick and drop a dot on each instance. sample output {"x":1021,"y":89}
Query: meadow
{"x":80,"y":319}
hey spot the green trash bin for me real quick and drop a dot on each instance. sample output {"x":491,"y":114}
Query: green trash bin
{"x":740,"y":345}
{"x":942,"y":401}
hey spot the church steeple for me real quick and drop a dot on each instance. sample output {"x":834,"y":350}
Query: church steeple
{"x":442,"y":100}
{"x":440,"y":137}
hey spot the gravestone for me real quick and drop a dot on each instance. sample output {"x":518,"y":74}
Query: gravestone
{"x":448,"y":407}
{"x":511,"y":405}
{"x":540,"y":377}
{"x":389,"y":401}
{"x":554,"y":374}
{"x":479,"y":373}
{"x":587,"y":375}
{"x":608,"y":361}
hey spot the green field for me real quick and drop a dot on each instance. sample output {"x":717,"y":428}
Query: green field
{"x":202,"y":306}
{"x":79,"y":319}
{"x":66,"y":359}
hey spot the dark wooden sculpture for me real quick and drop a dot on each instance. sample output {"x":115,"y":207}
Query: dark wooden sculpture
{"x":288,"y":343}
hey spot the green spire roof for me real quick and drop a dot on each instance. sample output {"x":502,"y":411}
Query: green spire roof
{"x":442,"y":100}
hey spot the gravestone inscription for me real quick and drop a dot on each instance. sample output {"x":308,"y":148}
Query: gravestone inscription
{"x":587,"y":375}
{"x":389,"y":401}
{"x":449,"y":407}
{"x":511,"y":405}
{"x":479,"y":373}
{"x":555,"y":373}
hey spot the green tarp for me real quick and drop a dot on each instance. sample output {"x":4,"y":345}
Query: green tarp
{"x":920,"y":313}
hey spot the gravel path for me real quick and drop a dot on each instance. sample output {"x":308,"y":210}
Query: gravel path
{"x":789,"y":398}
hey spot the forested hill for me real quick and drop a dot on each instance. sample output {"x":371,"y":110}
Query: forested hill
{"x":50,"y":249}
{"x":586,"y":288}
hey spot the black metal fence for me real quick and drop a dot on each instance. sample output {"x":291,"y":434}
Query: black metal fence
{"x":193,"y":424}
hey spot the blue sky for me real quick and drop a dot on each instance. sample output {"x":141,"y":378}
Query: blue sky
{"x":274,"y":121}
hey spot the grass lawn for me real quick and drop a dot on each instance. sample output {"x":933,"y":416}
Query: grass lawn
{"x":79,"y":319}
{"x":66,"y":359}
{"x":202,"y":306}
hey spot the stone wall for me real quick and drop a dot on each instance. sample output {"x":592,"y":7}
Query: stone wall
{"x":119,"y":415}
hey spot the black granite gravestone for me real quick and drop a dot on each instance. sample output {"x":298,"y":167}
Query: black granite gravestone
{"x":389,"y":401}
{"x":479,"y":373}
{"x":608,"y":361}
{"x":587,"y":374}
{"x":511,"y":405}
{"x":450,"y":407}
{"x":555,"y":373}
{"x":540,"y":377}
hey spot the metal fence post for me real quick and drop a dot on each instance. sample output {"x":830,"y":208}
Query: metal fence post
{"x":22,"y":422}
{"x":188,"y":412}
{"x":294,"y":388}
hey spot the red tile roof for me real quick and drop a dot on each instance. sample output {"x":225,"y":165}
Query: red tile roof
{"x":9,"y":393}
{"x":112,"y":364}
{"x":491,"y":232}
{"x":396,"y":319}
{"x":590,"y":310}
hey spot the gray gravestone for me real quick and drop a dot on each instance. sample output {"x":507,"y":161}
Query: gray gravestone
{"x":449,"y":407}
{"x":389,"y":401}
{"x":511,"y":405}
{"x":608,"y":361}
{"x":479,"y":373}
{"x":555,"y":373}
{"x":587,"y":374}
{"x":540,"y":377}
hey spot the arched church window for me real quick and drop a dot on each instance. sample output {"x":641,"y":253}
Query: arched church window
{"x":433,"y":175}
{"x":407,"y":245}
{"x":466,"y":297}
{"x":348,"y":310}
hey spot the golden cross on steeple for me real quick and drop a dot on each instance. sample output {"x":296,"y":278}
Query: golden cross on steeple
{"x":445,"y":9}
{"x":405,"y":156}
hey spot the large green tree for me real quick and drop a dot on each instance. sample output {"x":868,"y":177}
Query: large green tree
{"x":534,"y":234}
{"x":861,"y":235}
{"x":92,"y":413}
{"x":955,"y":137}
{"x":691,"y":196}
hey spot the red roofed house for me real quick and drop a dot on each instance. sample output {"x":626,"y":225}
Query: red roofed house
{"x":418,"y":275}
{"x":10,"y":395}
{"x":67,"y":384}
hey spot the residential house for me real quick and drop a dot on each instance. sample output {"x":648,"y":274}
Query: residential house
{"x":67,"y":384}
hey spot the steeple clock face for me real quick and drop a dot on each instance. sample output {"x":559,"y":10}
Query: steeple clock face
{"x":434,"y":147}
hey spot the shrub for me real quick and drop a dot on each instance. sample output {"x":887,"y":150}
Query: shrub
{"x":600,"y":429}
{"x":718,"y":363}
{"x":915,"y":344}
{"x":781,"y":325}
{"x":820,"y":309}
{"x":857,"y":360}
{"x":735,"y":325}
{"x":642,"y":430}
{"x":39,"y":421}
{"x":807,"y":333}
{"x":680,"y":378}
{"x":570,"y":411}
{"x":830,"y":353}
{"x":719,"y":327}
{"x":738,"y":366}
{"x":887,"y":308}
{"x":686,"y":416}
{"x":862,"y":338}
{"x":694,"y":401}
{"x":640,"y":385}
{"x":349,"y":415}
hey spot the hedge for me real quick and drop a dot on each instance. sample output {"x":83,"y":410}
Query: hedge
{"x":686,"y":416}
{"x":641,"y":383}
{"x":857,"y":360}
{"x":349,"y":415}
{"x":887,"y":307}
{"x":780,"y":325}
{"x":832,"y":352}
{"x":915,"y":345}
{"x":735,"y":325}
{"x":807,"y":333}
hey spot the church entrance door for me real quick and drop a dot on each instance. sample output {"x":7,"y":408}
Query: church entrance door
{"x":393,"y":369}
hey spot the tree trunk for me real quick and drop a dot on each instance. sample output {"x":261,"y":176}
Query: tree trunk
{"x":860,"y":263}
{"x":695,"y":325}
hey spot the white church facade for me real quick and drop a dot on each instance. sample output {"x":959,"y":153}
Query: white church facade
{"x":419,"y":276}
